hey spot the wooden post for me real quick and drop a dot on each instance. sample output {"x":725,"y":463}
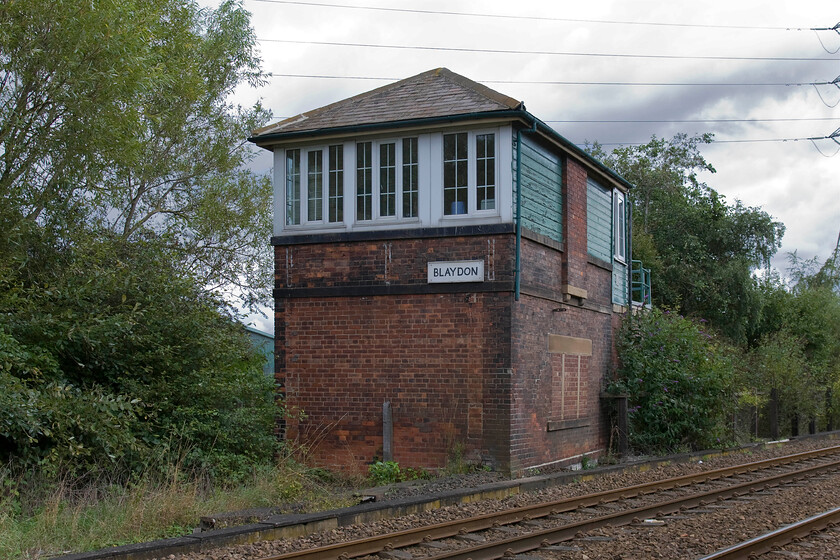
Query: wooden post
{"x":622,"y":425}
{"x":794,"y":425}
{"x":387,"y":432}
{"x":812,"y":426}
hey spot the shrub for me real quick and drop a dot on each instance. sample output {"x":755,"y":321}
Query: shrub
{"x":677,"y":378}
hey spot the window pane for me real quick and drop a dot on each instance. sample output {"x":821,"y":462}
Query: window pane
{"x":409,"y":177}
{"x":315,"y":185}
{"x":388,"y":179}
{"x":364,"y":181}
{"x":455,"y":168}
{"x":620,"y":227}
{"x":292,"y":187}
{"x":336,"y":184}
{"x":485,"y":172}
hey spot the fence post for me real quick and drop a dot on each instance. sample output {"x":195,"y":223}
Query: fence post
{"x":774,"y":414}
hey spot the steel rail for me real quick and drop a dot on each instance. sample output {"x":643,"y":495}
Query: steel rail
{"x":409,"y":537}
{"x":546,"y":537}
{"x":780,"y":537}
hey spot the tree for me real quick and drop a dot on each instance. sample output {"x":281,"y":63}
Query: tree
{"x":125,"y":206}
{"x":115,"y":115}
{"x":702,"y":251}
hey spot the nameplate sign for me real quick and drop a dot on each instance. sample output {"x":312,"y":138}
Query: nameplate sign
{"x":456,"y":271}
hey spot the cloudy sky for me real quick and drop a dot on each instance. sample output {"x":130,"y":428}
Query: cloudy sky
{"x":726,"y":63}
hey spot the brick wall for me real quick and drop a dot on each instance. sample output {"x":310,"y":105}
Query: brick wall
{"x":441,"y":359}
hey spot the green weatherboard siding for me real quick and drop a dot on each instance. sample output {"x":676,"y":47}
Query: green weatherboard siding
{"x":541,"y":192}
{"x":619,"y":280}
{"x":598,"y":221}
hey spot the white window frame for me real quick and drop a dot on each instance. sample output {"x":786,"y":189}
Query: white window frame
{"x":472,"y":174}
{"x":303,"y":202}
{"x":620,"y":226}
{"x":376,"y":202}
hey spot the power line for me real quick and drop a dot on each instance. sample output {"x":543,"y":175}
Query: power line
{"x":551,"y":53}
{"x":543,"y":18}
{"x":567,"y":83}
{"x":742,"y":141}
{"x":670,"y":121}
{"x":666,"y":121}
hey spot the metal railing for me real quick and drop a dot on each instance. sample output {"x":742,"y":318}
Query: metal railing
{"x":640,"y":285}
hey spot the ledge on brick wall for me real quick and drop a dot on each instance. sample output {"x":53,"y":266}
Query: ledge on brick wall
{"x":557,"y":425}
{"x":570,"y":292}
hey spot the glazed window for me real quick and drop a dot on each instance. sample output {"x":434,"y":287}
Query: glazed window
{"x":620,"y":225}
{"x":336,"y":184}
{"x":292,"y":187}
{"x":314,"y":185}
{"x":364,"y":181}
{"x":485,"y":172}
{"x":469,"y":173}
{"x":455,"y":173}
{"x":387,"y":183}
{"x":410,"y":182}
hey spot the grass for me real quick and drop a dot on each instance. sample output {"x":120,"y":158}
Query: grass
{"x":40,"y":519}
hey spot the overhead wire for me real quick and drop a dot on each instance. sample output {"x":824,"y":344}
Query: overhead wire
{"x":550,"y":53}
{"x":816,"y":30}
{"x":566,"y":83}
{"x":541,"y":18}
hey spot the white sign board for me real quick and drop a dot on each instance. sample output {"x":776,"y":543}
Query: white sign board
{"x":456,"y":271}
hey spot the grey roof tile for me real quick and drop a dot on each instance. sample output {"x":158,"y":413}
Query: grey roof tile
{"x":435,"y":93}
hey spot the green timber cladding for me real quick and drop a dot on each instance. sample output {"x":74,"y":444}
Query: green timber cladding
{"x":599,"y":221}
{"x":542,"y":183}
{"x":600,"y":214}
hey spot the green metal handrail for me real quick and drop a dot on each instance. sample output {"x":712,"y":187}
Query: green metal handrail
{"x":640,"y":284}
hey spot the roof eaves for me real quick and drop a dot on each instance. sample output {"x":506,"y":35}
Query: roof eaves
{"x":576,"y":150}
{"x":265,"y":139}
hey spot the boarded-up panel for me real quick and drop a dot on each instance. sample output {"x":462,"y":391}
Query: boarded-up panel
{"x":570,"y":389}
{"x":598,"y":221}
{"x":541,"y":190}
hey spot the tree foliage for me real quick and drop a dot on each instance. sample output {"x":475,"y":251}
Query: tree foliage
{"x":702,"y":251}
{"x":115,"y":115}
{"x":126,"y":206}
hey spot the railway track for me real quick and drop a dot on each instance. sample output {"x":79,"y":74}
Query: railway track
{"x":775,"y":539}
{"x":545,"y":525}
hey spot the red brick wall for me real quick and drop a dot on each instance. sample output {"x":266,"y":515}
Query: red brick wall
{"x":441,"y":359}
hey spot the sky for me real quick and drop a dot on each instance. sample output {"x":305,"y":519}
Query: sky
{"x":718,"y":57}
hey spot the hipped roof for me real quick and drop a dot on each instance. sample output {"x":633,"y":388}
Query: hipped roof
{"x":433,"y":96}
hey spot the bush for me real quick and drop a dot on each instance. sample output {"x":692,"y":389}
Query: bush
{"x":109,"y":350}
{"x":677,"y":378}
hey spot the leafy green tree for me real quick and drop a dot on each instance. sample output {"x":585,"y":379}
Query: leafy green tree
{"x":701,"y":250}
{"x":126,"y":206}
{"x":115,"y":115}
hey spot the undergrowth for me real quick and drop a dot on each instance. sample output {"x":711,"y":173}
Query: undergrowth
{"x":41,"y":518}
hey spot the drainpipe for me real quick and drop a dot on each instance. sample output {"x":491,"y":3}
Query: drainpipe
{"x":628,"y":220}
{"x":518,"y":268}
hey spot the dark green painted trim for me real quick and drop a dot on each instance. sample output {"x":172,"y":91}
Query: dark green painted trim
{"x":262,"y":139}
{"x":392,"y":290}
{"x":388,"y":234}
